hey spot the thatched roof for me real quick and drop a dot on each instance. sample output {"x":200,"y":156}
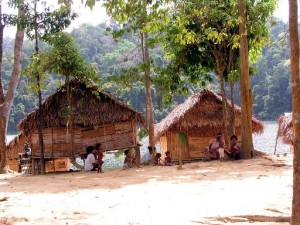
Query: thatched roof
{"x":91,"y":107}
{"x":201,"y":114}
{"x":285,"y":129}
{"x":16,"y":145}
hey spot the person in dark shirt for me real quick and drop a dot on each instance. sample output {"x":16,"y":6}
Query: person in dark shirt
{"x":234,"y":150}
{"x":168,"y":159}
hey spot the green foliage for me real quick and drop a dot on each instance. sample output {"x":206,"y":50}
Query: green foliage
{"x":203,"y":36}
{"x":271,"y":85}
{"x":46,"y":21}
{"x":182,"y":138}
{"x":119,"y":153}
{"x":64,"y":58}
{"x":271,"y":88}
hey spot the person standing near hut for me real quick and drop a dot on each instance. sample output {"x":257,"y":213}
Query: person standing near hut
{"x":99,"y":149}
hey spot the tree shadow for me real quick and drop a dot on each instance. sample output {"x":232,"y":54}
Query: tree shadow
{"x":117,"y":178}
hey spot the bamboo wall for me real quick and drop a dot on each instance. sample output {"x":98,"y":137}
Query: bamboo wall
{"x":197,"y":145}
{"x":163,"y":145}
{"x":57,"y":142}
{"x":194,"y":149}
{"x":174,"y":146}
{"x":112,"y":136}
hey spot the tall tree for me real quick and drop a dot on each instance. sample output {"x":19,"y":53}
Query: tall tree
{"x":246,"y":92}
{"x":6,"y":102}
{"x":294,"y":56}
{"x":141,"y":17}
{"x":39,"y":25}
{"x":64,"y":59}
{"x":205,"y":34}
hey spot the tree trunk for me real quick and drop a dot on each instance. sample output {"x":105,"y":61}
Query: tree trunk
{"x":220,"y":72}
{"x":180,"y":159}
{"x":12,"y":86}
{"x":40,"y":134}
{"x":70,"y":114}
{"x":224,"y":106}
{"x":149,"y":103}
{"x":232,"y":126}
{"x":294,"y":57}
{"x":246,"y":102}
{"x":1,"y":55}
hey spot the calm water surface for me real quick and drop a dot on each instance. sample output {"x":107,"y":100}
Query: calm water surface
{"x":264,"y":142}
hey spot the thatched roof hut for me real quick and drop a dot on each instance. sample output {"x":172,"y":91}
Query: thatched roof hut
{"x":200,"y":114}
{"x":91,"y":107}
{"x":98,"y":117}
{"x":285,"y":129}
{"x":199,"y":118}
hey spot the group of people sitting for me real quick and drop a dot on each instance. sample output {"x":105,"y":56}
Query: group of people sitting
{"x":94,"y":158}
{"x":217,"y":148}
{"x":130,"y":159}
{"x":158,"y":158}
{"x":167,"y":161}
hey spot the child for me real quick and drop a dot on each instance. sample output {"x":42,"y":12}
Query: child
{"x":99,"y":148}
{"x":221,"y":147}
{"x":168,"y":160}
{"x":157,"y":159}
{"x":129,"y":160}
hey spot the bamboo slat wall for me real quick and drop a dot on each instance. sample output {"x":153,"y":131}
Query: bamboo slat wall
{"x":197,"y":145}
{"x":163,"y":145}
{"x":193,"y":150}
{"x":174,"y":145}
{"x":57,"y":142}
{"x":113,"y":136}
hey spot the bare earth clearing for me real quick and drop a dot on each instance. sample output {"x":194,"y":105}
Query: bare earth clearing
{"x":257,"y":191}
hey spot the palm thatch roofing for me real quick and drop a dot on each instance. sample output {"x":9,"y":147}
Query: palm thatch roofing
{"x":16,"y":145}
{"x":90,"y":105}
{"x":285,"y":129}
{"x":202,"y":115}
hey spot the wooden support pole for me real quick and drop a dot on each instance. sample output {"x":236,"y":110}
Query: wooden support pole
{"x":33,"y":166}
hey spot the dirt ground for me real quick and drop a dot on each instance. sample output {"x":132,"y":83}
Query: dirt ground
{"x":256,"y":191}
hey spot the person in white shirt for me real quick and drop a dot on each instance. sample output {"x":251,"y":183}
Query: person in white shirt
{"x":90,"y":161}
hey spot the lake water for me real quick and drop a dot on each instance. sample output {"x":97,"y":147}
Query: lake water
{"x":264,"y":142}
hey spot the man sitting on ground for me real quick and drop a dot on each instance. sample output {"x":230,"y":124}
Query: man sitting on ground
{"x":90,"y":163}
{"x":234,"y":151}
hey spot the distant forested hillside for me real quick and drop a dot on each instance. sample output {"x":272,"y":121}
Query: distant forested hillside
{"x":270,"y":81}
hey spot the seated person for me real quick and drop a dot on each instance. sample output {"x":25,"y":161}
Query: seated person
{"x":146,"y":158}
{"x":100,"y":156}
{"x":27,"y":151}
{"x":214,"y":145}
{"x":90,"y":163}
{"x":168,"y":159}
{"x":234,"y":151}
{"x":129,"y":160}
{"x":157,"y":159}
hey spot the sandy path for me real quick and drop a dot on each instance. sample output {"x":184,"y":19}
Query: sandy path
{"x":201,"y":193}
